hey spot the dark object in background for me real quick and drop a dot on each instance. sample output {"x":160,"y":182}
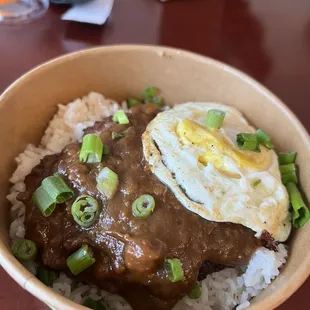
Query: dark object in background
{"x":69,"y":1}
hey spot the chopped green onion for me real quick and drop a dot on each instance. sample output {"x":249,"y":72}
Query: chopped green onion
{"x":215,"y":118}
{"x":149,"y":93}
{"x":56,"y":187}
{"x":93,"y":304}
{"x":248,"y":141}
{"x":143,"y":206}
{"x":53,"y":190}
{"x":287,"y":168}
{"x":80,"y":260}
{"x":158,"y":100}
{"x":287,"y":158}
{"x":24,"y":249}
{"x":107,"y":182}
{"x":289,"y":177}
{"x":133,"y":102}
{"x":47,"y":276}
{"x":91,"y":150}
{"x":301,"y":213}
{"x":256,"y":182}
{"x":44,"y":201}
{"x":85,"y":210}
{"x":106,"y":150}
{"x":117,"y":135}
{"x":120,"y":117}
{"x":264,"y":139}
{"x":288,"y":173}
{"x":174,"y":269}
{"x":195,"y":292}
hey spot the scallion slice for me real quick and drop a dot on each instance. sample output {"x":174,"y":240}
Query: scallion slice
{"x":131,"y":102}
{"x":143,"y":206}
{"x":264,"y":139}
{"x":289,"y":177}
{"x":287,"y":158}
{"x":85,"y":210}
{"x":93,"y":304}
{"x":287,"y":168}
{"x":91,"y":150}
{"x":149,"y":93}
{"x":24,"y":249}
{"x":47,"y":276}
{"x":120,"y":117}
{"x":174,"y":269}
{"x":256,"y":182}
{"x":44,"y":201}
{"x":248,"y":141}
{"x":106,"y":150}
{"x":301,"y":213}
{"x":80,"y":260}
{"x":117,"y":135}
{"x":56,"y":187}
{"x":195,"y":292}
{"x":215,"y":118}
{"x":107,"y":182}
{"x":158,"y":100}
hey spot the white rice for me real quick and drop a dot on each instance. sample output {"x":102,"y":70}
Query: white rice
{"x":232,"y":287}
{"x":222,"y":290}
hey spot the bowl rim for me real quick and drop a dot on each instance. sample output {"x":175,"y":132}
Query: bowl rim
{"x":29,"y":282}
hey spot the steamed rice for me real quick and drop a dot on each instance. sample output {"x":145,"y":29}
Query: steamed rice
{"x":222,"y":290}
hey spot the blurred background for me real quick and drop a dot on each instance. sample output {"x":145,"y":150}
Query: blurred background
{"x":269,"y":40}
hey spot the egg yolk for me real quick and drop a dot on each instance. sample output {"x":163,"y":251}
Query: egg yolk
{"x":216,"y":146}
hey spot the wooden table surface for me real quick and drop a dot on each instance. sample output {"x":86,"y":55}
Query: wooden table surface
{"x":269,"y":40}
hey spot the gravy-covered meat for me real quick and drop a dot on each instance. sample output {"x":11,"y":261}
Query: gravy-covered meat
{"x":130,"y":251}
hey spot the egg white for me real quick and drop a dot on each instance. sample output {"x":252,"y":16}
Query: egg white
{"x":203,"y":189}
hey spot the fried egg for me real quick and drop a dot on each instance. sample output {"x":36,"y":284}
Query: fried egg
{"x":211,"y":176}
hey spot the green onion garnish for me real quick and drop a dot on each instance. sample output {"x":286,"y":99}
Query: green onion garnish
{"x":56,"y":187}
{"x":287,"y":158}
{"x":215,"y":118}
{"x":91,"y":150}
{"x":143,"y":206}
{"x":256,"y":182}
{"x":287,"y":168}
{"x":149,"y":93}
{"x":93,"y":304}
{"x":53,"y":190}
{"x":195,"y":292}
{"x":301,"y":213}
{"x":80,"y":260}
{"x":47,"y":276}
{"x":288,"y":173}
{"x":24,"y":249}
{"x":44,"y":201}
{"x":85,"y":210}
{"x":174,"y":269}
{"x":117,"y":135}
{"x":264,"y":139}
{"x":133,"y":102}
{"x":289,"y":177}
{"x":120,"y":117}
{"x":107,"y":182}
{"x":106,"y":150}
{"x":248,"y":141}
{"x":158,"y":100}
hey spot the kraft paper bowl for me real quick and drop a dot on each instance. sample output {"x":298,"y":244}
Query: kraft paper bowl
{"x":123,"y":71}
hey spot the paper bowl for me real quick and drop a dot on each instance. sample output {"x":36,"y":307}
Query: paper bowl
{"x":123,"y":71}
